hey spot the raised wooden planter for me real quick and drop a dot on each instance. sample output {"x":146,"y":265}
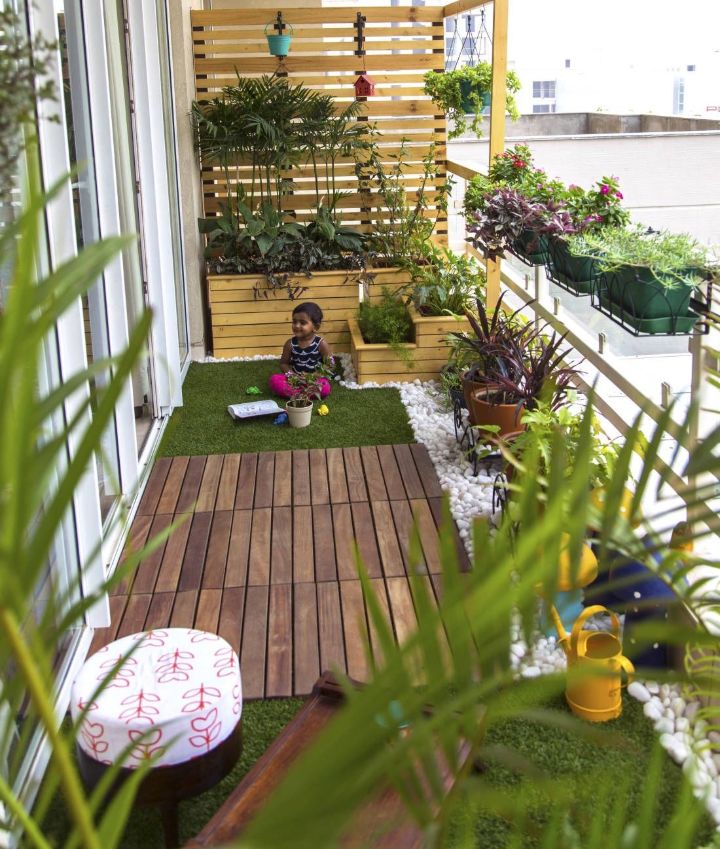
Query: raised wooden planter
{"x":243,"y":325}
{"x":429,"y":352}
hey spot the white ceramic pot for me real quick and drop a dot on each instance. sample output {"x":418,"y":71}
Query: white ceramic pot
{"x":299,"y":416}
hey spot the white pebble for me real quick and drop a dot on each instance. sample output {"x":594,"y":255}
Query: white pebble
{"x":664,"y":725}
{"x":531,"y":672}
{"x":653,"y":710}
{"x":639,"y":691}
{"x":677,"y":750}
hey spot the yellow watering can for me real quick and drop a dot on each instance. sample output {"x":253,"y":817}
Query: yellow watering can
{"x":595,"y":666}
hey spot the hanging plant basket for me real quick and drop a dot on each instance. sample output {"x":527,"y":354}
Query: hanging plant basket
{"x":468,"y":101}
{"x":279,"y":45}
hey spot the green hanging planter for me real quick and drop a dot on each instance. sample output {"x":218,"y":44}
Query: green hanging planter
{"x":467,"y":103}
{"x":279,"y":45}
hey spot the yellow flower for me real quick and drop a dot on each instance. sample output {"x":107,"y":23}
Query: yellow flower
{"x":323,"y":410}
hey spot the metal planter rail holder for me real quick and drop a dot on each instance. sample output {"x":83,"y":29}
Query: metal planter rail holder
{"x":466,"y":436}
{"x":575,"y":274}
{"x":632,"y":298}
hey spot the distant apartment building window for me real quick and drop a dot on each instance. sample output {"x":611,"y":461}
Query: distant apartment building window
{"x":691,"y":67}
{"x":544,"y":88}
{"x":543,"y":107}
{"x":679,"y":97}
{"x":567,"y":63}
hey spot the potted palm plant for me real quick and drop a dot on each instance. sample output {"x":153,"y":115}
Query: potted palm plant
{"x":466,"y":91}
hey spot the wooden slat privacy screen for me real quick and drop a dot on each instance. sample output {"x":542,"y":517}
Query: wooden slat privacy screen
{"x":402,"y":44}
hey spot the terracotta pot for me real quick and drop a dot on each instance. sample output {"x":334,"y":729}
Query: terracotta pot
{"x":505,"y":416}
{"x":469,"y":386}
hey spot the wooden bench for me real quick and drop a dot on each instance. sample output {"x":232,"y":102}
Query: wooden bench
{"x":383,"y":824}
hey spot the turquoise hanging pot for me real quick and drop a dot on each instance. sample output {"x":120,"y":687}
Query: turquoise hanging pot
{"x":279,"y":45}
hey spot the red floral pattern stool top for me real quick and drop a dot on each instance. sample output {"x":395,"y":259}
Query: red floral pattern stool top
{"x":177,"y":694}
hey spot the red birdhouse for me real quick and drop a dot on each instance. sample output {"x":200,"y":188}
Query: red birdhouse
{"x":364,"y":86}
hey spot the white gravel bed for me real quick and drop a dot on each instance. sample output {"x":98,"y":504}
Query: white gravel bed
{"x":677,"y":718}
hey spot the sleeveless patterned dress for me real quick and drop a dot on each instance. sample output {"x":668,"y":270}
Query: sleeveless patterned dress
{"x":305,"y":359}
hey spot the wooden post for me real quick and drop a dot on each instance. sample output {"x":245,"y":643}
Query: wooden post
{"x":497,"y":119}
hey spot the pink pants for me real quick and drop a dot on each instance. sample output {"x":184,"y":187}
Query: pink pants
{"x":280,"y":386}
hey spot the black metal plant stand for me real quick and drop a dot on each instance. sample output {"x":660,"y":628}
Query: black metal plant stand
{"x":466,"y":436}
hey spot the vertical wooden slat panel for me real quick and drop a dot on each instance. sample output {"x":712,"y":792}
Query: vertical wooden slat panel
{"x":280,"y":650}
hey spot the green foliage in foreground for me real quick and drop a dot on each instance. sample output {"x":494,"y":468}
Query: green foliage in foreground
{"x":203,"y":426}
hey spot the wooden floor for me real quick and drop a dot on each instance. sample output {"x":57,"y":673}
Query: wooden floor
{"x":265,"y":560}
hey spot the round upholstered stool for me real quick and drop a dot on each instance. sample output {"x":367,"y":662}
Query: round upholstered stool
{"x":177,"y":695}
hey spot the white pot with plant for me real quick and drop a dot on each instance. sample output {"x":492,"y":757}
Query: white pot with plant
{"x":306,"y":388}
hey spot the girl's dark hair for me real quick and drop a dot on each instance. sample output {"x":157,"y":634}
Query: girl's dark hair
{"x":312,"y":311}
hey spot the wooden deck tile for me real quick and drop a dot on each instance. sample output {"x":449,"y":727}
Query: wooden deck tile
{"x":332,"y":643}
{"x":254,"y":643}
{"x":231,"y":616}
{"x":282,"y":486}
{"x":391,"y":472}
{"x":281,"y":548}
{"x":300,"y":478}
{"x":265,"y":556}
{"x":173,"y":484}
{"x":388,"y":546}
{"x":366,"y":540}
{"x":217,"y":550}
{"x":357,"y":490}
{"x":280,"y":650}
{"x":245,"y":494}
{"x":337,"y":479}
{"x":183,"y":612}
{"x":303,"y":548}
{"x":306,"y":660}
{"x":426,"y":471}
{"x":207,"y":616}
{"x":355,"y":629}
{"x":464,"y":560}
{"x":408,"y":472}
{"x":373,"y":474}
{"x":209,"y":484}
{"x":320,"y":491}
{"x":264,"y":482}
{"x":138,"y":536}
{"x":134,"y":615}
{"x":228,"y":482}
{"x":172,"y":559}
{"x":193,"y":563}
{"x":344,"y":541}
{"x":259,"y":561}
{"x":323,"y":543}
{"x":191,"y":485}
{"x":154,"y":487}
{"x":147,"y":571}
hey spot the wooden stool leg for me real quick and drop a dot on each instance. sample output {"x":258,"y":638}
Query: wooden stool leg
{"x":169,"y":815}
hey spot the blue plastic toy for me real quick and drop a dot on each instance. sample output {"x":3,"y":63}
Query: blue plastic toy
{"x":281,"y":419}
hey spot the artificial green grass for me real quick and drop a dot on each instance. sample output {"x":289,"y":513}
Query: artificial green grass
{"x":203,"y":426}
{"x":619,"y":751}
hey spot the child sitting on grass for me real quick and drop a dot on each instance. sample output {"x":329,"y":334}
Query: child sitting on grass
{"x":305,"y":352}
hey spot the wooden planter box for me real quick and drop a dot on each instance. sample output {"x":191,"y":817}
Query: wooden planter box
{"x":429,"y":352}
{"x":243,"y":325}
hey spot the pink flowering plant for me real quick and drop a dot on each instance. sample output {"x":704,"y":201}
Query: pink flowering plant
{"x":597,"y":207}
